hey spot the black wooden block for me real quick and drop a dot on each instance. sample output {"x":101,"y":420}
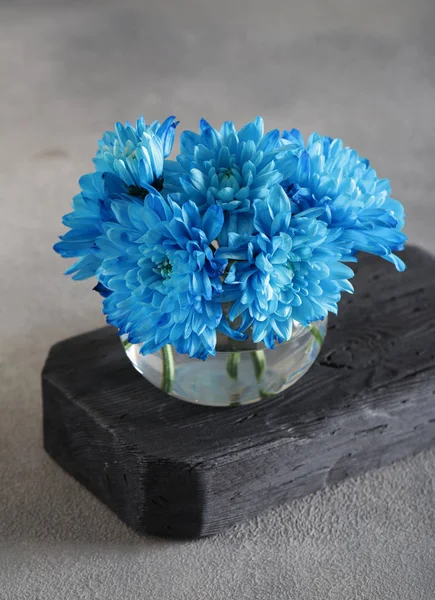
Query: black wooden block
{"x":172,"y":468}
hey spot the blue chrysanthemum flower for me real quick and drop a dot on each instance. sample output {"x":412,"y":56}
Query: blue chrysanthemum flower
{"x":228,"y":168}
{"x":136,"y":154}
{"x":163,"y":276}
{"x":326,"y":174}
{"x":289,"y":270}
{"x":128,"y":162}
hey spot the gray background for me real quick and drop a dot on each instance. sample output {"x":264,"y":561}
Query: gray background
{"x":361,"y":70}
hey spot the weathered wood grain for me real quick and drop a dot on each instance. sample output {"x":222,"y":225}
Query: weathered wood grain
{"x":172,"y":468}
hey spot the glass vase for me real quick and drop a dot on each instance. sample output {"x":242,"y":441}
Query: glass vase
{"x":240,"y":372}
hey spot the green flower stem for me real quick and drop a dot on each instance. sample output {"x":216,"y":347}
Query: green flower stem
{"x":266,"y":395}
{"x":316,"y":334}
{"x":233,"y":364}
{"x":168,"y":369}
{"x":126,"y":344}
{"x":259,"y":362}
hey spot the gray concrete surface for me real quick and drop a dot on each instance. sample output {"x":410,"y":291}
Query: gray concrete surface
{"x":361,"y":70}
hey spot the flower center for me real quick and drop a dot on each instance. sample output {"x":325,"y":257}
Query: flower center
{"x":164,"y":269}
{"x":290,"y":266}
{"x":229,"y":177}
{"x":139,"y":192}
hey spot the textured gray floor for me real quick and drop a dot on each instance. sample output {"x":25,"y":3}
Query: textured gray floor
{"x":362,"y":70}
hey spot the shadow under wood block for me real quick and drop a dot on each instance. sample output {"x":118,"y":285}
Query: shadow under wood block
{"x":172,"y":468}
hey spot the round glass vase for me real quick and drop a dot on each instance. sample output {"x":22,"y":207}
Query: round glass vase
{"x":240,"y":372}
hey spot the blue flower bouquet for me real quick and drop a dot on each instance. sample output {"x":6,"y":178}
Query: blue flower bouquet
{"x":232,"y":254}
